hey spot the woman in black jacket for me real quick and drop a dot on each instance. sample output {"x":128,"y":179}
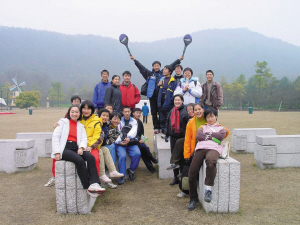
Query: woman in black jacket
{"x":113,"y":94}
{"x":175,"y":127}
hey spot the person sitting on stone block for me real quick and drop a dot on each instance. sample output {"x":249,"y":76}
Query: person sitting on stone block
{"x":209,"y":147}
{"x":69,"y":142}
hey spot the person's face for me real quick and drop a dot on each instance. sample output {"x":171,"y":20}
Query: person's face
{"x":178,"y":70}
{"x":137,"y":115}
{"x":105,"y":76}
{"x":76,"y":101}
{"x":209,"y":76}
{"x":198,"y":111}
{"x":187,"y":74}
{"x":86,"y":111}
{"x":190,"y":111}
{"x":104,"y":116}
{"x":115,"y":121}
{"x":109,"y":108}
{"x":166,"y":72}
{"x":177,"y":101}
{"x":74,"y":113}
{"x":156,"y":67}
{"x":126,"y":78}
{"x":126,"y":113}
{"x":116,"y":80}
{"x":211,"y":119}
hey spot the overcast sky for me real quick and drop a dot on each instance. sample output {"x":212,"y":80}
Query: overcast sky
{"x":144,"y":20}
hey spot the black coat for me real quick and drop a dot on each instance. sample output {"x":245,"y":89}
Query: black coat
{"x":113,"y":96}
{"x":184,"y":119}
{"x":140,"y":129}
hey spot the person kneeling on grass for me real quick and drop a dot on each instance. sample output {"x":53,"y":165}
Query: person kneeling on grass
{"x":146,"y":155}
{"x":69,"y":142}
{"x":209,"y":147}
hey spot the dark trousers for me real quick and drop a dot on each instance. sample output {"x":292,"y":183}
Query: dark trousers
{"x":173,"y":143}
{"x":145,"y":119}
{"x":163,"y":118}
{"x":154,"y":112}
{"x":177,"y":154}
{"x":211,"y":157}
{"x":87,"y":174}
{"x":146,"y":155}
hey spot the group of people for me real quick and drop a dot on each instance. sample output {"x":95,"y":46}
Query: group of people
{"x":182,"y":109}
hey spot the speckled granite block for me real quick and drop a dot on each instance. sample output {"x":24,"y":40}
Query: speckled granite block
{"x":17,"y":155}
{"x":70,"y":195}
{"x":163,"y":156}
{"x":244,"y":139}
{"x":226,"y":189}
{"x":43,"y":142}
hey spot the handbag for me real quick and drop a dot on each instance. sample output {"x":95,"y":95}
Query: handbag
{"x":225,"y":152}
{"x":185,"y":179}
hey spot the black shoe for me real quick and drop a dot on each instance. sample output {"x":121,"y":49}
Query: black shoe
{"x":192,"y":204}
{"x":207,"y":196}
{"x":152,"y":170}
{"x":172,"y":166}
{"x":131,"y":175}
{"x":175,"y":181}
{"x":154,"y":160}
{"x":121,"y":181}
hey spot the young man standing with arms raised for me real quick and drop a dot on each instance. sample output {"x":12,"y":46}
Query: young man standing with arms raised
{"x":130,"y":93}
{"x":152,"y":78}
{"x":99,"y":91}
{"x":212,"y":93}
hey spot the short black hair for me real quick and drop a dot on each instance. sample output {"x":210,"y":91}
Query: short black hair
{"x":102,"y":111}
{"x":69,"y":110}
{"x":126,"y":72}
{"x":145,"y":103}
{"x":190,"y":104}
{"x":108,"y":104}
{"x":210,"y":111}
{"x":126,"y":107}
{"x":104,"y":71}
{"x":114,"y":114}
{"x":169,"y":68}
{"x":209,"y":71}
{"x":136,"y":110}
{"x":75,"y":97}
{"x":113,"y":77}
{"x":89,"y":104}
{"x":189,"y":69}
{"x":178,"y":95}
{"x":178,"y":65}
{"x":156,"y":62}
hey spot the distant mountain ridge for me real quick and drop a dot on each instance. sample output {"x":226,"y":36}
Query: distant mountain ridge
{"x":78,"y":59}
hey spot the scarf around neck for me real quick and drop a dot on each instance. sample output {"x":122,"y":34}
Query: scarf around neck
{"x":175,"y":120}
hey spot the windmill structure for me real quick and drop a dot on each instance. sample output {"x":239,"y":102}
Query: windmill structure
{"x":17,"y":89}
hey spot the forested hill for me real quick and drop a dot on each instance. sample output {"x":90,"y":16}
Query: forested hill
{"x":42,"y":56}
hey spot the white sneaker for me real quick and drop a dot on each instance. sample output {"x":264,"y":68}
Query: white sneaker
{"x":50,"y":183}
{"x":110,"y":185}
{"x":93,"y":195}
{"x":116,"y":174}
{"x":182,"y":195}
{"x":96,"y":188}
{"x":105,"y":179}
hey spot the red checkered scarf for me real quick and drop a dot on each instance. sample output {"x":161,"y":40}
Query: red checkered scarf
{"x":175,"y":120}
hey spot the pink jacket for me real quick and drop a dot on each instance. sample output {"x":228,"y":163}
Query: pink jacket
{"x":210,"y":131}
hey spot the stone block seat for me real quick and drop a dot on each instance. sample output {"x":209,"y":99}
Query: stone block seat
{"x":17,"y":155}
{"x":226,"y":189}
{"x":243,"y":139}
{"x":163,"y":151}
{"x":70,"y":195}
{"x":277,"y":151}
{"x":43,"y":142}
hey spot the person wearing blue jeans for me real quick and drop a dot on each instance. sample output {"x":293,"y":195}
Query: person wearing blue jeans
{"x":126,"y":142}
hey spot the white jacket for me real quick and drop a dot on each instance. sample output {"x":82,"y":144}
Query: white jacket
{"x":193,"y":94}
{"x":133,"y":131}
{"x":61,"y":134}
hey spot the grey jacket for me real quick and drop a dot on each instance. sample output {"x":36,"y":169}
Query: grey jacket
{"x":113,"y":96}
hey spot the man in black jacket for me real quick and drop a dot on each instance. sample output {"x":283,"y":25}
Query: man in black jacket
{"x":146,"y":155}
{"x":152,"y":78}
{"x":178,"y":75}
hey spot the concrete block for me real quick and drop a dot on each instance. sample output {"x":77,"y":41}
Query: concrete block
{"x":43,"y":142}
{"x":17,"y":155}
{"x":70,"y":195}
{"x":239,"y":143}
{"x":226,"y":189}
{"x":163,"y":156}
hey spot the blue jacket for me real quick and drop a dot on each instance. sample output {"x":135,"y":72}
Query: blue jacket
{"x":145,"y":110}
{"x":99,"y":93}
{"x":168,"y":103}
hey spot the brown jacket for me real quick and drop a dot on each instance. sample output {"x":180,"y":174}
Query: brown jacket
{"x":216,"y":94}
